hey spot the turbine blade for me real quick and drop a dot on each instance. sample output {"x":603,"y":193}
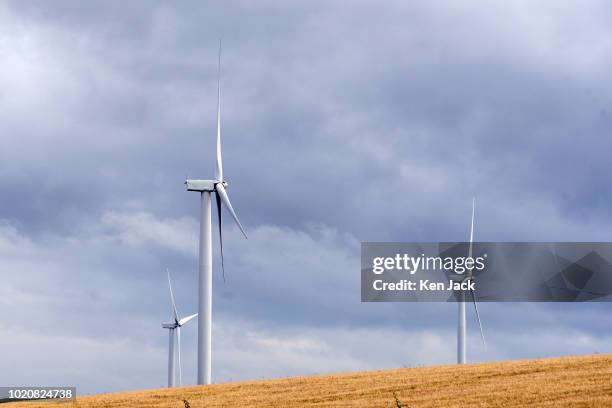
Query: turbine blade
{"x":478,"y":317}
{"x":178,"y":340}
{"x":219,"y":168}
{"x":223,"y":195}
{"x":218,"y":200}
{"x":186,"y":319}
{"x":174,"y":311}
{"x":471,"y":270}
{"x":472,"y":227}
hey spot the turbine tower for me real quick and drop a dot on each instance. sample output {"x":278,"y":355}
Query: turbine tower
{"x":206,"y":188}
{"x":461,"y":325}
{"x":174,"y":330}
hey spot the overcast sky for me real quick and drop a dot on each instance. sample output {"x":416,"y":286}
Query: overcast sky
{"x":342,"y":122}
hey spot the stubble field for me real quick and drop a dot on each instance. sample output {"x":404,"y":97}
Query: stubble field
{"x":559,"y":382}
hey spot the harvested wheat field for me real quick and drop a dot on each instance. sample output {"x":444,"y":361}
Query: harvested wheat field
{"x":558,"y":382}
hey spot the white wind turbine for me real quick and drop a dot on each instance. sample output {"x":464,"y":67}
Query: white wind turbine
{"x":174,"y":329}
{"x":205,"y":188}
{"x":461,"y":326}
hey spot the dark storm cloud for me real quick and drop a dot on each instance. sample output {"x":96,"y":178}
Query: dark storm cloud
{"x":336,"y":108}
{"x":340,"y":123}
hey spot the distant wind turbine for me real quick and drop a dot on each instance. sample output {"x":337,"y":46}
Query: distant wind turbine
{"x":461,"y":326}
{"x":174,"y":330}
{"x":205,"y":188}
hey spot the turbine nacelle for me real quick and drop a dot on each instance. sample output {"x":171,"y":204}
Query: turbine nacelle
{"x":201,"y":185}
{"x":467,"y":275}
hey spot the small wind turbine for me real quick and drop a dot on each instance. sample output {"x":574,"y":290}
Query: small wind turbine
{"x":174,"y":329}
{"x":205,"y":188}
{"x":461,"y":326}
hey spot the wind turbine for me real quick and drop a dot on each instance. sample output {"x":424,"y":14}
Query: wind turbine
{"x":461,"y":326}
{"x":174,"y":329}
{"x":205,"y":188}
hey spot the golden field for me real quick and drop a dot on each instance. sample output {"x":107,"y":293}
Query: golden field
{"x":558,"y":382}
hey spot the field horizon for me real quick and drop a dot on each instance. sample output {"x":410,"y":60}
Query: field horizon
{"x":576,"y":381}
